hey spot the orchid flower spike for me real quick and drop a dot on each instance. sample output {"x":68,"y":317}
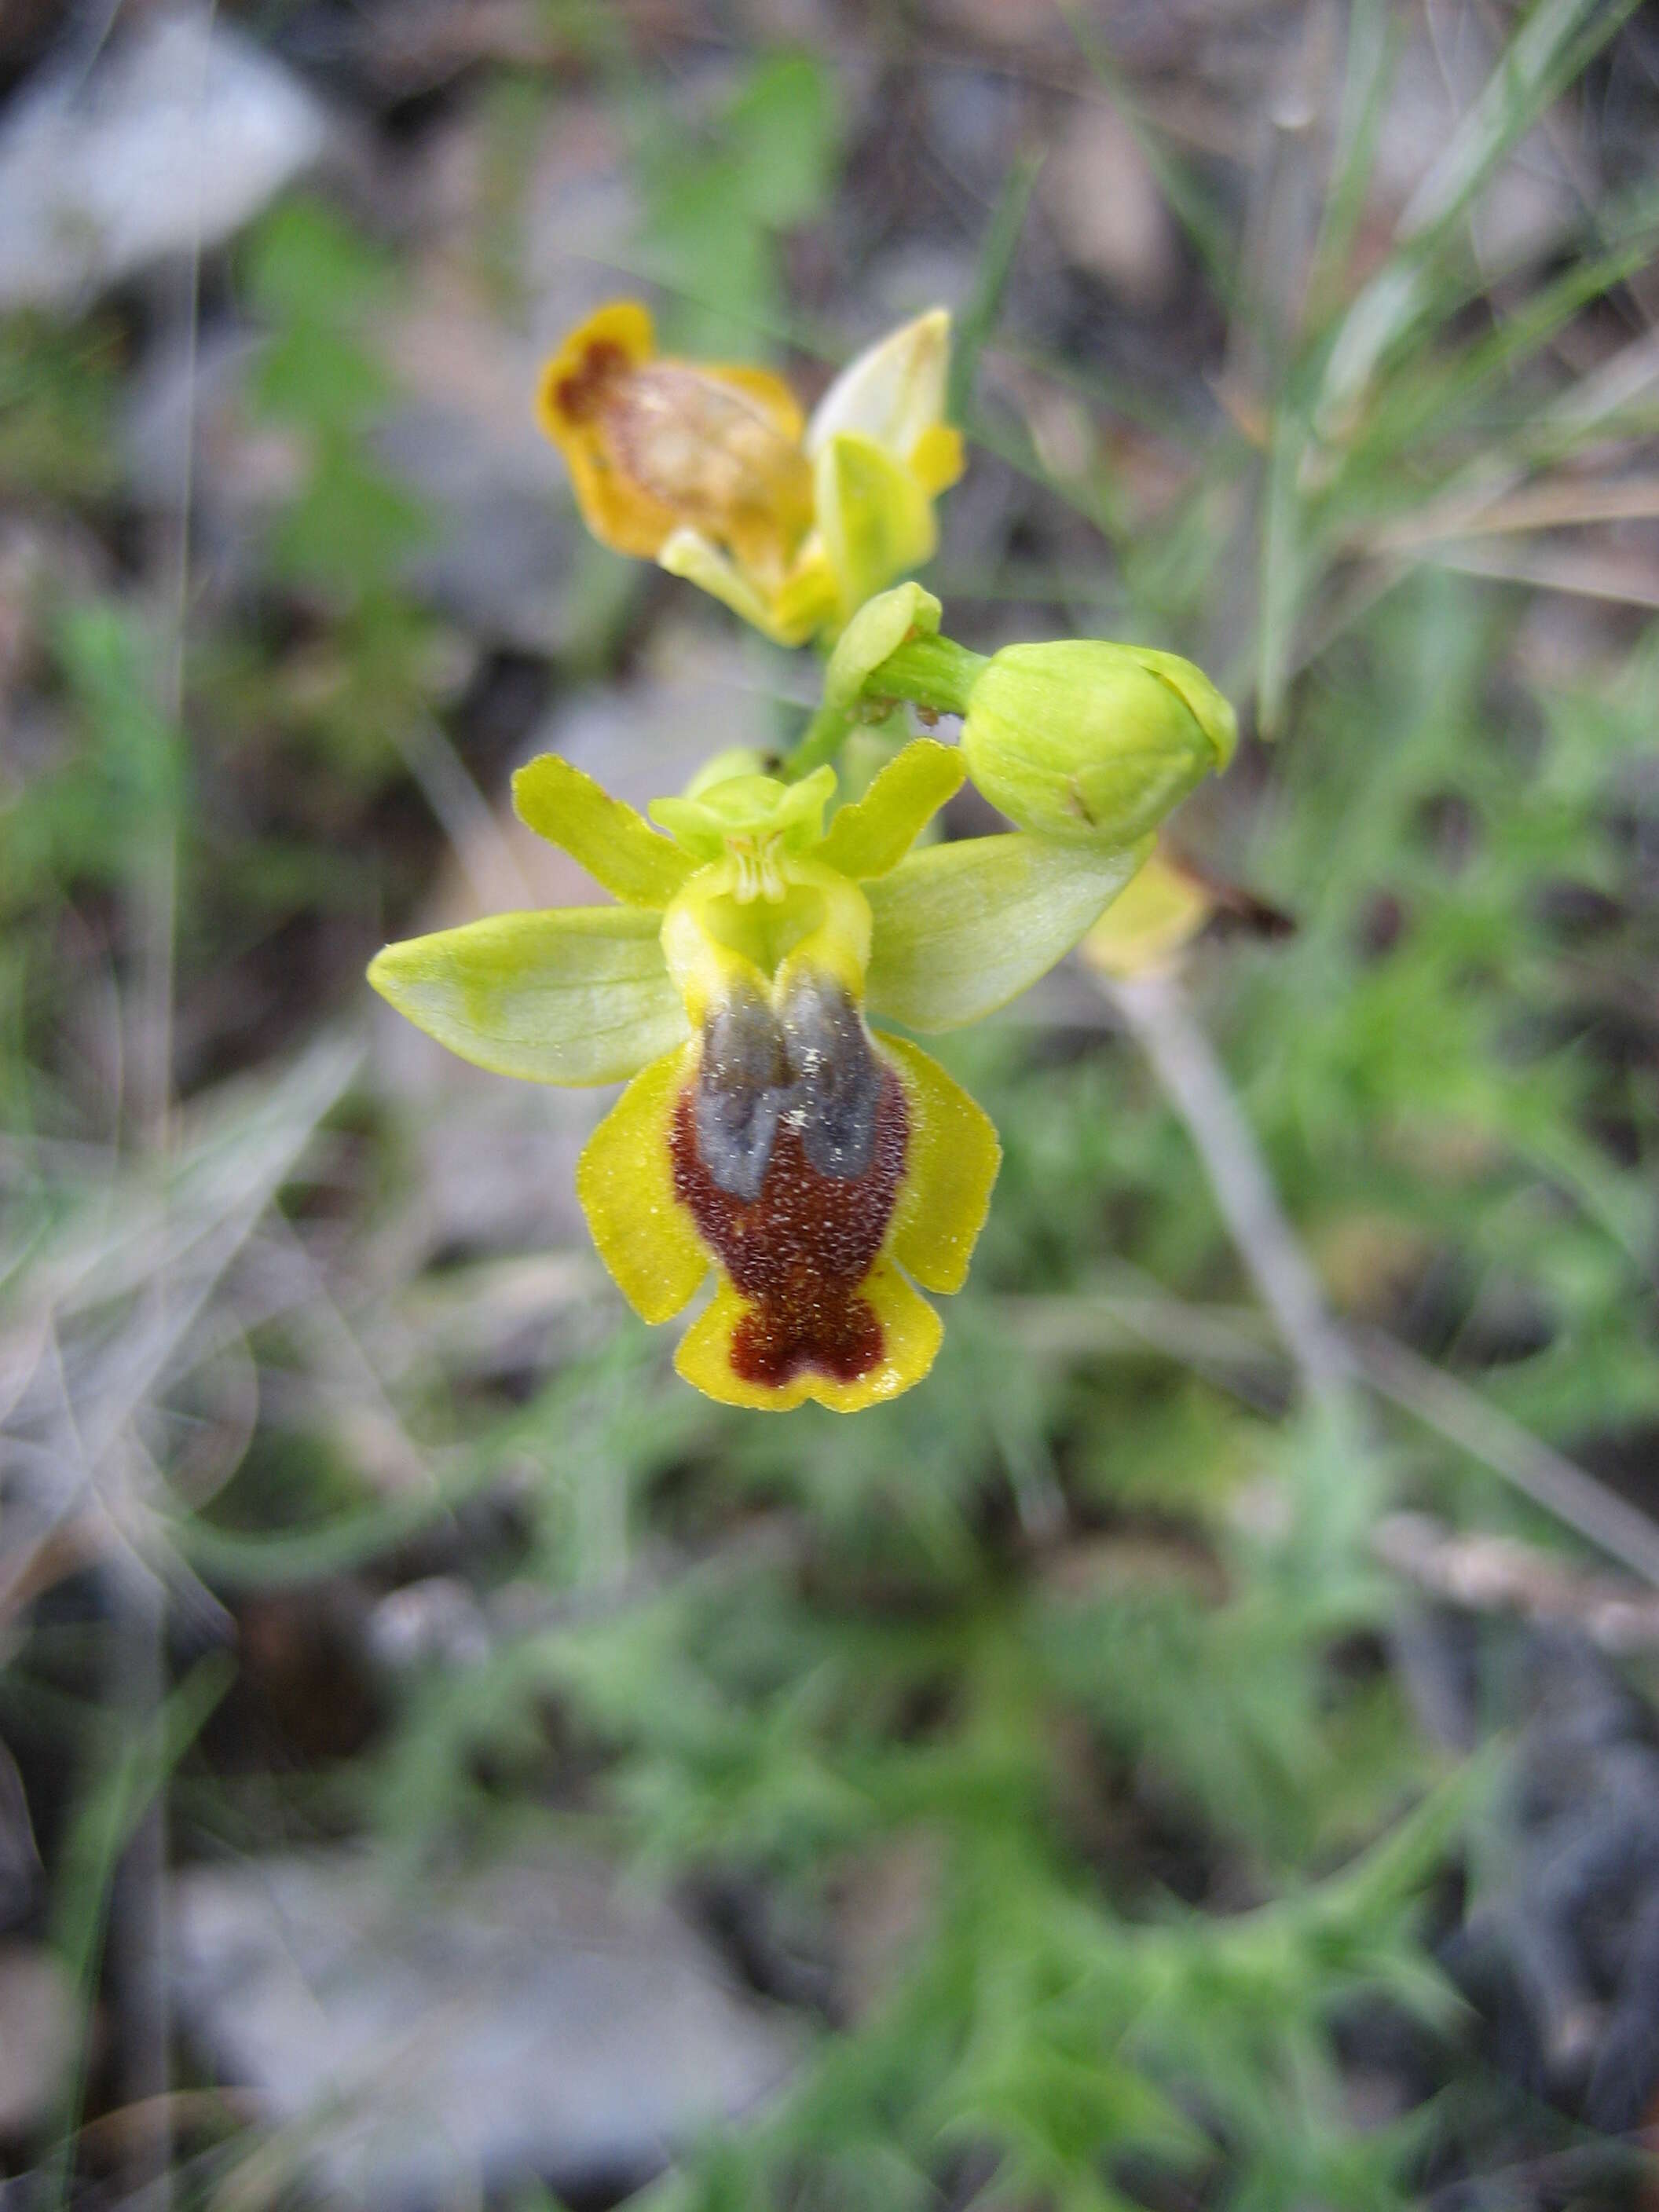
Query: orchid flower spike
{"x":713,"y":471}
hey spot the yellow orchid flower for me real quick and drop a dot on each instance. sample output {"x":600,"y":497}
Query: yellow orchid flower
{"x":821,"y":1170}
{"x":715,"y":472}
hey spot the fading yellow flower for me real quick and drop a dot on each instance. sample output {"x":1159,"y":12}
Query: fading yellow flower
{"x":1151,"y":922}
{"x":712,"y":470}
{"x":1164,"y":909}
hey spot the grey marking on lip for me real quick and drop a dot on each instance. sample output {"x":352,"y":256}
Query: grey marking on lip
{"x":814,"y":1067}
{"x":743,"y":1087}
{"x":836,"y":1072}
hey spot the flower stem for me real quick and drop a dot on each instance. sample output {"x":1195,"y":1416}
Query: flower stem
{"x":928,"y":672}
{"x":931,"y":671}
{"x":825,"y":735}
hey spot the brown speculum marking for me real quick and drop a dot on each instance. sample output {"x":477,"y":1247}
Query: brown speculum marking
{"x":582,"y":393}
{"x":788,"y":1146}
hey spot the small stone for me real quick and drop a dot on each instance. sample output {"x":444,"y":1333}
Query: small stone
{"x":470,"y":2033}
{"x":179,"y":136}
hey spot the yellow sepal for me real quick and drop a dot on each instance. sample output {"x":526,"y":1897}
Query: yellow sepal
{"x":575,"y":994}
{"x":625,"y":1180}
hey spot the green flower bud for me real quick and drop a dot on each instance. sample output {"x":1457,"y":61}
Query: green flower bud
{"x":877,"y":629}
{"x":1092,"y":744}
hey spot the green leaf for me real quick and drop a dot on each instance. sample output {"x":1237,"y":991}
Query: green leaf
{"x":306,"y":264}
{"x":618,"y":847}
{"x":716,"y":196}
{"x":873,"y":835}
{"x":321,"y":379}
{"x":104,"y":653}
{"x":351,"y":528}
{"x":573,"y":995}
{"x":961,"y":929}
{"x":782,"y":130}
{"x":57,"y":397}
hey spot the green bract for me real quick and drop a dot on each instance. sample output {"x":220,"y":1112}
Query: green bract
{"x":1088,"y":744}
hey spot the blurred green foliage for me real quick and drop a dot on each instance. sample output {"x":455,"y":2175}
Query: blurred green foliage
{"x":719,"y":194}
{"x":1075,"y":1655}
{"x":57,"y":389}
{"x":343,"y":541}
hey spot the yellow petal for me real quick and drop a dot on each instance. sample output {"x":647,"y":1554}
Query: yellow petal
{"x":910,"y":1331}
{"x":624,"y":326}
{"x":872,"y":835}
{"x":618,"y":847}
{"x":949,"y":1170}
{"x":617,"y":513}
{"x":655,"y":444}
{"x":625,"y":1180}
{"x":617,"y":509}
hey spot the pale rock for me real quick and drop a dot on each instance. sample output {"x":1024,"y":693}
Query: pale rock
{"x":177,"y":137}
{"x":433,"y":2040}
